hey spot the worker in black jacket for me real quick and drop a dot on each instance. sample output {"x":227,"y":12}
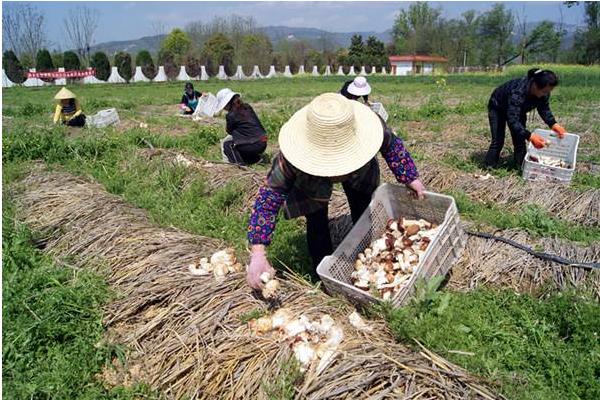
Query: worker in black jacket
{"x":247,"y":138}
{"x":510,"y":103}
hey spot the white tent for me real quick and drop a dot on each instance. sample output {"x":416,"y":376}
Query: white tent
{"x":256,"y":73}
{"x":327,"y":70}
{"x":139,"y":75}
{"x":239,"y":73}
{"x":301,"y":70}
{"x":183,"y":76}
{"x":287,"y":73}
{"x":351,"y":72}
{"x":61,"y":81}
{"x":30,"y":82}
{"x":272,"y":73}
{"x":161,"y":76}
{"x":383,"y":71}
{"x":221,"y":75}
{"x":315,"y":71}
{"x":203,"y":74}
{"x":115,"y":77}
{"x":363,"y":71}
{"x":341,"y":71}
{"x":6,"y":82}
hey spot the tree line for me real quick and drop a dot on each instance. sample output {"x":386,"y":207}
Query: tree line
{"x":481,"y":39}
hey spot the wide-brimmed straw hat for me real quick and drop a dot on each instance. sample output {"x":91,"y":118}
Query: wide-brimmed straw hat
{"x":359,"y":86}
{"x":64,"y":93}
{"x":224,"y":96}
{"x":331,"y":136}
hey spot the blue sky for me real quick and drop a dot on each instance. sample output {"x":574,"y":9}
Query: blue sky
{"x":122,"y":20}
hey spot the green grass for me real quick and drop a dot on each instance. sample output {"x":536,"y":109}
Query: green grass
{"x":52,"y":325}
{"x":532,"y":348}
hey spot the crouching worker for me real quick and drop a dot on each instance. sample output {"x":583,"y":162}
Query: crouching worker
{"x":189,"y":100}
{"x":332,"y":139}
{"x":510,"y":103}
{"x":247,"y":139}
{"x":67,"y":109}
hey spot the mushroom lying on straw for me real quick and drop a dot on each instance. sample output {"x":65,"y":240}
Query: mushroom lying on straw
{"x":221,"y":263}
{"x":385,"y":267}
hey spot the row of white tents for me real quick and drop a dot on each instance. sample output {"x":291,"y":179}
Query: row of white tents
{"x":161,"y":76}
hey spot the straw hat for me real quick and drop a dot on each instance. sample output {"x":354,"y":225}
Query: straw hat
{"x":64,"y":93}
{"x":331,"y":136}
{"x":359,"y":86}
{"x":224,"y":96}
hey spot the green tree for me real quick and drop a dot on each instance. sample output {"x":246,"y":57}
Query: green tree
{"x":101,"y":64}
{"x":123,"y":64}
{"x":143,"y":59}
{"x":218,"y":50}
{"x":375,"y":53}
{"x":415,"y":28}
{"x":495,"y":28}
{"x":313,"y":57}
{"x":587,"y":41}
{"x":43,"y":61}
{"x":12,"y":67}
{"x":57,"y":59}
{"x":255,"y":49}
{"x":71,"y":61}
{"x":178,"y":43}
{"x":168,"y":61}
{"x":543,"y":43}
{"x":356,"y":51}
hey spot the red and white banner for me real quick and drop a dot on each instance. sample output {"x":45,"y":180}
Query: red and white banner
{"x":62,"y":74}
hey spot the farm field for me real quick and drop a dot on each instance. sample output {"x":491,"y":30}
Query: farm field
{"x":529,"y":328}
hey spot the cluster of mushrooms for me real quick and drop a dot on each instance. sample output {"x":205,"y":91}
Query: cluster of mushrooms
{"x":221,"y":263}
{"x":550,"y":161}
{"x":385,"y":267}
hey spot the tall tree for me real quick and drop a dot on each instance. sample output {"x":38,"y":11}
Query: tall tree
{"x":13,"y":68}
{"x":495,"y":28}
{"x":414,"y":28}
{"x":177,"y":43}
{"x":43,"y":61}
{"x":587,"y":41}
{"x":375,"y":52}
{"x":80,"y":26}
{"x":24,"y":30}
{"x":100,"y":62}
{"x":256,"y":49}
{"x":218,"y":50}
{"x":356,"y":51}
{"x":144,"y":60}
{"x":123,"y":64}
{"x":71,"y":61}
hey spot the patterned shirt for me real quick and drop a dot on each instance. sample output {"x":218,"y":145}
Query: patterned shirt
{"x":513,"y":99}
{"x":303,"y":193}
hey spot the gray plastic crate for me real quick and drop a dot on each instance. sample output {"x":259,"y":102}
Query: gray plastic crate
{"x":564,"y":149}
{"x":393,"y":201}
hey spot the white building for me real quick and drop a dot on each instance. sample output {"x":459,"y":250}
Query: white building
{"x":416,"y":65}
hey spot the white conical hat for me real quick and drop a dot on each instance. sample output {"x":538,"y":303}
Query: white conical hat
{"x":64,"y":93}
{"x":331,"y":136}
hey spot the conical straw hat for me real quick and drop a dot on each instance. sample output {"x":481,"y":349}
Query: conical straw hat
{"x":331,"y":136}
{"x":64,"y":93}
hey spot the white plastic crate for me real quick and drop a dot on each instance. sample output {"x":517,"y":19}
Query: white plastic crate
{"x":564,"y":149}
{"x":378,"y":108}
{"x":393,"y":201}
{"x":103,"y":118}
{"x":207,"y":105}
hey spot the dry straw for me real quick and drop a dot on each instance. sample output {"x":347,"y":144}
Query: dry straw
{"x":187,"y":332}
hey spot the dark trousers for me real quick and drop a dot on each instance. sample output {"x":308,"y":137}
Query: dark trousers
{"x":77,"y":121}
{"x":244,"y":154}
{"x":498,"y":129}
{"x":317,"y":224}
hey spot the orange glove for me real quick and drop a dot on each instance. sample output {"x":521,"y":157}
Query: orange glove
{"x":537,"y":141}
{"x":559,"y":130}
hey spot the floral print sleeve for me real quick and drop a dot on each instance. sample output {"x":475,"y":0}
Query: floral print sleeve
{"x":398,"y":159}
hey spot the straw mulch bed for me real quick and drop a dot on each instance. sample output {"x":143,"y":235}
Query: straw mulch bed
{"x":495,"y":264}
{"x":582,"y":207}
{"x":186,"y":332}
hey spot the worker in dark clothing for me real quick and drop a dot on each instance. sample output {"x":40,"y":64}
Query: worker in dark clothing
{"x":189,"y":100}
{"x":510,"y":103}
{"x":356,"y":89}
{"x":247,"y":139}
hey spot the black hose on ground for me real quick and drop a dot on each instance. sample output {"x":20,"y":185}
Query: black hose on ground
{"x":538,"y":254}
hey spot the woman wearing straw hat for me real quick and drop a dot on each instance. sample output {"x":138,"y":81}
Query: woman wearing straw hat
{"x":67,"y":109}
{"x":330,"y":140}
{"x":356,"y":89}
{"x":247,"y":139}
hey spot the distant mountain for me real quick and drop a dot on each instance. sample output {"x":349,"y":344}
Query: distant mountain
{"x":315,"y":37}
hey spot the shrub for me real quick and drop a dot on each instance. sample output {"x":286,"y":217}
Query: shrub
{"x":123,"y":64}
{"x":43,"y":61}
{"x":167,"y":60}
{"x":101,"y":64}
{"x":13,"y":68}
{"x":144,"y":60}
{"x":71,"y":61}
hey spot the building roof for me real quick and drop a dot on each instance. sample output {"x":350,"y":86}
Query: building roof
{"x":418,"y":58}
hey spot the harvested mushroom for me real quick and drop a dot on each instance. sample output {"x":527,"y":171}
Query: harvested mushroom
{"x":357,"y":322}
